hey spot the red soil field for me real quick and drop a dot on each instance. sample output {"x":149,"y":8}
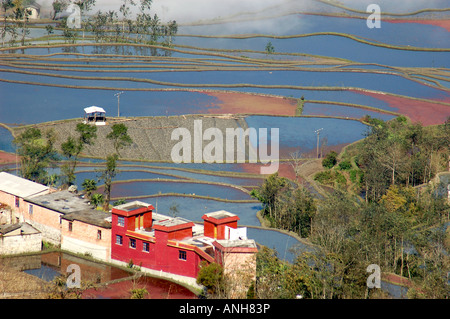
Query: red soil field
{"x":427,"y":113}
{"x":436,"y":22}
{"x":156,"y":288}
{"x":7,"y":158}
{"x":284,"y":169}
{"x":232,"y":103}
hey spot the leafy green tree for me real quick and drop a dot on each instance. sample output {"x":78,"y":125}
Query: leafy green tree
{"x":119,"y":136}
{"x":268,"y":192}
{"x":59,"y":6}
{"x":330,"y":160}
{"x":49,"y":29}
{"x":85,"y":6}
{"x":73,"y":147}
{"x":211,"y":277}
{"x":107,"y":175}
{"x":270,"y":48}
{"x":97,"y":200}
{"x":89,"y":185}
{"x":36,"y":153}
{"x":6,"y":28}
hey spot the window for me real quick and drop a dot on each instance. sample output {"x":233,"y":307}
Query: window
{"x":70,"y":226}
{"x":146,"y":247}
{"x":99,"y":234}
{"x":181,"y":255}
{"x":132,"y":243}
{"x":119,"y":240}
{"x":121,"y":221}
{"x":30,"y":209}
{"x":17,"y":201}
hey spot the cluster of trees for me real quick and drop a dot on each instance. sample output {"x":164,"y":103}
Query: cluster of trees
{"x":108,"y":26}
{"x":15,"y":10}
{"x":401,"y":234}
{"x":398,"y":227}
{"x":38,"y":154}
{"x":400,"y":153}
{"x":284,"y":205}
{"x":104,"y":26}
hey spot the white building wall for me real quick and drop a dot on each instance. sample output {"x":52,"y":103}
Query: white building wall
{"x":82,"y":247}
{"x":17,"y":244}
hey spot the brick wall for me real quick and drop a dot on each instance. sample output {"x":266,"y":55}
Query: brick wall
{"x":83,"y":238}
{"x":45,"y":220}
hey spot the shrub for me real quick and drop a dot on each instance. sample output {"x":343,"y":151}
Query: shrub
{"x":345,"y":165}
{"x":330,"y":160}
{"x":324,"y":177}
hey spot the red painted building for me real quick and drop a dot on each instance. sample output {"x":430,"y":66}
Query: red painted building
{"x":165,"y":244}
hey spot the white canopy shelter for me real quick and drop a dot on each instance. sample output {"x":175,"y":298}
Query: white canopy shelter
{"x":94,"y":114}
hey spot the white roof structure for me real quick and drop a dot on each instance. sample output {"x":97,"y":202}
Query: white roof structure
{"x":94,"y":109}
{"x":20,"y":187}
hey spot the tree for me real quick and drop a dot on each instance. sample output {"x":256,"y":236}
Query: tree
{"x":174,"y":209}
{"x":97,"y":200}
{"x":119,"y":136}
{"x":36,"y":153}
{"x":268,"y":193}
{"x":21,"y":14}
{"x":59,"y":6}
{"x":211,"y":277}
{"x":125,"y":10}
{"x":89,"y":185}
{"x":49,"y":29}
{"x":85,"y":6}
{"x":6,"y":5}
{"x":107,"y":175}
{"x":270,"y":48}
{"x":330,"y":160}
{"x":69,"y":35}
{"x":73,"y":147}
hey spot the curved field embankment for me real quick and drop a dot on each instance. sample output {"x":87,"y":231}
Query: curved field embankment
{"x":337,"y":34}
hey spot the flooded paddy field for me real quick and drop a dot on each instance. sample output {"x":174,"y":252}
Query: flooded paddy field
{"x":108,"y":282}
{"x":328,"y":70}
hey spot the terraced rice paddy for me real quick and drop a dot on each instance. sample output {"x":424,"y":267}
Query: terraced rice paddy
{"x":329,"y":70}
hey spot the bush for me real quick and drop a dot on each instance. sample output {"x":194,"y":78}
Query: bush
{"x":211,"y":276}
{"x":330,"y":160}
{"x":324,"y":177}
{"x":345,"y":165}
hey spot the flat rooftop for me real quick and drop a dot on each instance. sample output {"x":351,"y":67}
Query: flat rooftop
{"x":220,"y":214}
{"x":20,"y":187}
{"x":63,"y":202}
{"x":170,"y":222}
{"x":90,"y":216}
{"x":128,"y":207}
{"x":243,"y":243}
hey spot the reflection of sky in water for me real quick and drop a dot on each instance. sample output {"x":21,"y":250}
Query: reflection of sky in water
{"x":45,"y":272}
{"x":6,"y":140}
{"x":380,"y":82}
{"x":392,"y":33}
{"x":300,"y":132}
{"x":150,"y":188}
{"x":339,"y":110}
{"x":130,"y":173}
{"x":194,"y":208}
{"x":287,"y":247}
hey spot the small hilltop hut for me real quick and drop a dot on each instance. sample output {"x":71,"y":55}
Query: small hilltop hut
{"x":94,"y":115}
